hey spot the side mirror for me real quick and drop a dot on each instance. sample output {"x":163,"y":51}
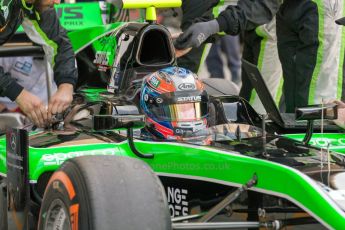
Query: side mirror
{"x":109,"y":122}
{"x":128,"y":122}
{"x":316,"y":112}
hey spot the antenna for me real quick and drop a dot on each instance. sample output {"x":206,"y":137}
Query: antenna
{"x":264,"y":134}
{"x":328,"y":164}
{"x":49,"y":78}
{"x":321,"y":165}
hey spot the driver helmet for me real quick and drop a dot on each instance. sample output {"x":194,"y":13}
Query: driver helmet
{"x":175,"y":103}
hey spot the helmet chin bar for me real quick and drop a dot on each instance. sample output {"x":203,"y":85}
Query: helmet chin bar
{"x":186,"y":129}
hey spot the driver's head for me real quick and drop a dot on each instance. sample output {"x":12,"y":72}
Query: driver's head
{"x":174,"y":102}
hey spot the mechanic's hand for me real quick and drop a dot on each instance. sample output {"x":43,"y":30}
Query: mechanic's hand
{"x":341,"y":113}
{"x":33,"y":107}
{"x":179,"y":53}
{"x":196,"y":34}
{"x":60,"y":100}
{"x":3,"y":108}
{"x":340,"y":104}
{"x":341,"y":118}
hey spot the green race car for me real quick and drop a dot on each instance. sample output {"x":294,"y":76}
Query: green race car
{"x":93,"y":169}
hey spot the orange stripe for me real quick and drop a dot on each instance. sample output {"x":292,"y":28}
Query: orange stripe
{"x":61,"y":176}
{"x":74,"y":213}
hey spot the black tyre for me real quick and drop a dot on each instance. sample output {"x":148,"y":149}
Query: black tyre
{"x":104,"y":192}
{"x":3,"y":207}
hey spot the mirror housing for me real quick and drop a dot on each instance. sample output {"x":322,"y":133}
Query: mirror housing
{"x":314,"y":112}
{"x":109,"y":122}
{"x":149,"y":5}
{"x":143,"y":4}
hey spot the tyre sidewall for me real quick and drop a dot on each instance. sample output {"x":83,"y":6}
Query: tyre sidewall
{"x":58,"y":188}
{"x":110,"y":193}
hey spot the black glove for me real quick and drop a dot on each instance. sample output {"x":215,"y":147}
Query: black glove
{"x":196,"y":34}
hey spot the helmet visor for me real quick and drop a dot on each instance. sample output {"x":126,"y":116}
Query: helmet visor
{"x":180,"y":112}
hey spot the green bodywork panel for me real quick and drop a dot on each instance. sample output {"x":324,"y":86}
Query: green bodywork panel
{"x":82,"y":38}
{"x":336,"y":141}
{"x":93,"y":94}
{"x":228,"y":168}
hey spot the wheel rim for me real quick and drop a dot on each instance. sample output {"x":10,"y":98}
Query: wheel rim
{"x":57,"y":217}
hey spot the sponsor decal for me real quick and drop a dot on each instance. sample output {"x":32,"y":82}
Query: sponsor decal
{"x":170,"y":70}
{"x":59,"y":158}
{"x":201,"y":38}
{"x":323,"y":142}
{"x":71,"y":15}
{"x":105,"y":54}
{"x":159,"y":100}
{"x":177,"y":199}
{"x":154,"y":81}
{"x":102,"y":60}
{"x":181,"y":72}
{"x":70,"y":12}
{"x":186,"y":86}
{"x":190,"y":98}
{"x":24,"y":68}
{"x":341,"y":141}
{"x":79,"y":15}
{"x":182,"y":131}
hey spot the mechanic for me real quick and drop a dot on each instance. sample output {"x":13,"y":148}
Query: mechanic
{"x":30,"y":73}
{"x":260,"y":48}
{"x":41,"y":24}
{"x":315,"y":70}
{"x":175,"y":104}
{"x":311,"y":56}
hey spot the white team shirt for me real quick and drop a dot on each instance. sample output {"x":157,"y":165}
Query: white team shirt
{"x":30,"y":73}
